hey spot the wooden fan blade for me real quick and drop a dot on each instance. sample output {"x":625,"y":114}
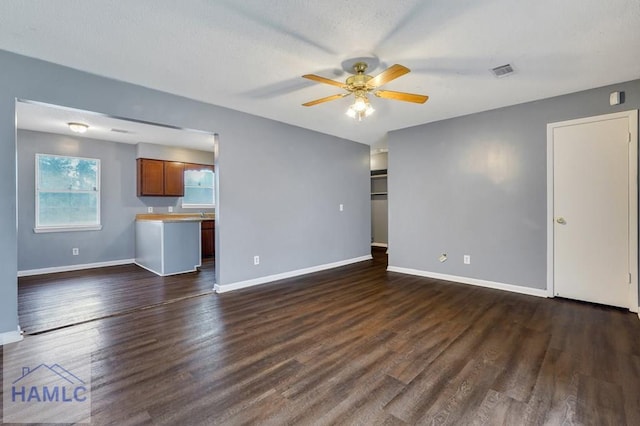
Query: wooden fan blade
{"x":327,"y":99}
{"x":401,"y":96}
{"x":324,"y":80}
{"x":391,"y":73}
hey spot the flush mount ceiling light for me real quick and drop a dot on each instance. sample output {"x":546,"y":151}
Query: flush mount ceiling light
{"x":78,"y":127}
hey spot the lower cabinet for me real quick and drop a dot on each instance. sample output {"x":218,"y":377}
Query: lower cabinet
{"x":208,"y":238}
{"x":168,"y":247}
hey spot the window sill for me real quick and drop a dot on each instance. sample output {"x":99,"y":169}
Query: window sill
{"x":47,"y":229}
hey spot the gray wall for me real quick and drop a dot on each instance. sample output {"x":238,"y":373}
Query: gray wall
{"x":172,"y":153}
{"x":279,"y":186}
{"x":119,"y":203}
{"x":477,"y":185}
{"x":282,"y":199}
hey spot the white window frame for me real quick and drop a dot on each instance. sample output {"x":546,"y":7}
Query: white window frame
{"x":202,"y":206}
{"x":66,"y":228}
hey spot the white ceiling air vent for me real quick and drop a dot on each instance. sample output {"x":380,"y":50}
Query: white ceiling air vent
{"x":502,"y":70}
{"x":120,"y":131}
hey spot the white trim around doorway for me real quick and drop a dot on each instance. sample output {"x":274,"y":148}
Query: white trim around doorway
{"x":633,"y":200}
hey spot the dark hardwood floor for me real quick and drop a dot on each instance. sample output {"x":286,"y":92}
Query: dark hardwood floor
{"x":52,"y":301}
{"x":358,"y":345}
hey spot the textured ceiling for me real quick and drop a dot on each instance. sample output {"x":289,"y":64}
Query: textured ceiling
{"x":249,"y":55}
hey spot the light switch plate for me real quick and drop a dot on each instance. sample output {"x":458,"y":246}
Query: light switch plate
{"x":614,"y":98}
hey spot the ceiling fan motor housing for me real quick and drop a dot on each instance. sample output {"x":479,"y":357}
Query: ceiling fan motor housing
{"x":358,"y":81}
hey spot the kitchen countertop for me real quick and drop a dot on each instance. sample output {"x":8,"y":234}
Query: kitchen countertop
{"x":175,"y":217}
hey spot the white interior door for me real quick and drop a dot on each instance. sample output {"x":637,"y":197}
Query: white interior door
{"x":592,"y":223}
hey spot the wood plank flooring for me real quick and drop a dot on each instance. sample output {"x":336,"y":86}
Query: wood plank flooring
{"x":358,"y":345}
{"x":52,"y":301}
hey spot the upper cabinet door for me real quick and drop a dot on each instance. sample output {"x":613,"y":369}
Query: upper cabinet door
{"x":173,"y":179}
{"x":150,"y":177}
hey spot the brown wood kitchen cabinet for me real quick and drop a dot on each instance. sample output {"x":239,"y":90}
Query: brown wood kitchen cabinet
{"x":160,"y":178}
{"x":173,"y":179}
{"x":150,"y":177}
{"x":207,"y":229}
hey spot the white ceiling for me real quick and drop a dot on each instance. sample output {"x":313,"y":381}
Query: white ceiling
{"x":250,"y":55}
{"x":54,"y":119}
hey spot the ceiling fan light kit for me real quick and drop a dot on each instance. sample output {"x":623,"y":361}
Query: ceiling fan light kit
{"x":360,"y":108}
{"x":361,"y":84}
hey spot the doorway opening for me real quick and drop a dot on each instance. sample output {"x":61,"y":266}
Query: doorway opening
{"x":379,"y":202}
{"x":68,"y":276}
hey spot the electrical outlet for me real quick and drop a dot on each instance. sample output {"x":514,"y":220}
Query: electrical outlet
{"x":467,"y":259}
{"x":149,"y":209}
{"x":341,"y":207}
{"x":75,"y":251}
{"x":170,"y":209}
{"x":256,"y":260}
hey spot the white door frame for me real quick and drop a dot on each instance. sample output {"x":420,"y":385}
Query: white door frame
{"x":633,"y":199}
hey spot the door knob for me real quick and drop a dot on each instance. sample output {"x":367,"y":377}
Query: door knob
{"x":561,"y":221}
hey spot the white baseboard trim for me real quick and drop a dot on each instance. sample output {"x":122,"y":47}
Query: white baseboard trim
{"x":379,"y":245}
{"x":222,"y":288}
{"x":148,"y":269}
{"x":11,"y":336}
{"x":69,"y":268}
{"x":472,"y":281}
{"x":195,"y":269}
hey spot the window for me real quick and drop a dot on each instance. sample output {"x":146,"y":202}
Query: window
{"x":67,"y":193}
{"x":198,"y":186}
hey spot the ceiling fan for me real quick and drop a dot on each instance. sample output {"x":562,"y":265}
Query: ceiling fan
{"x":361,"y":84}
